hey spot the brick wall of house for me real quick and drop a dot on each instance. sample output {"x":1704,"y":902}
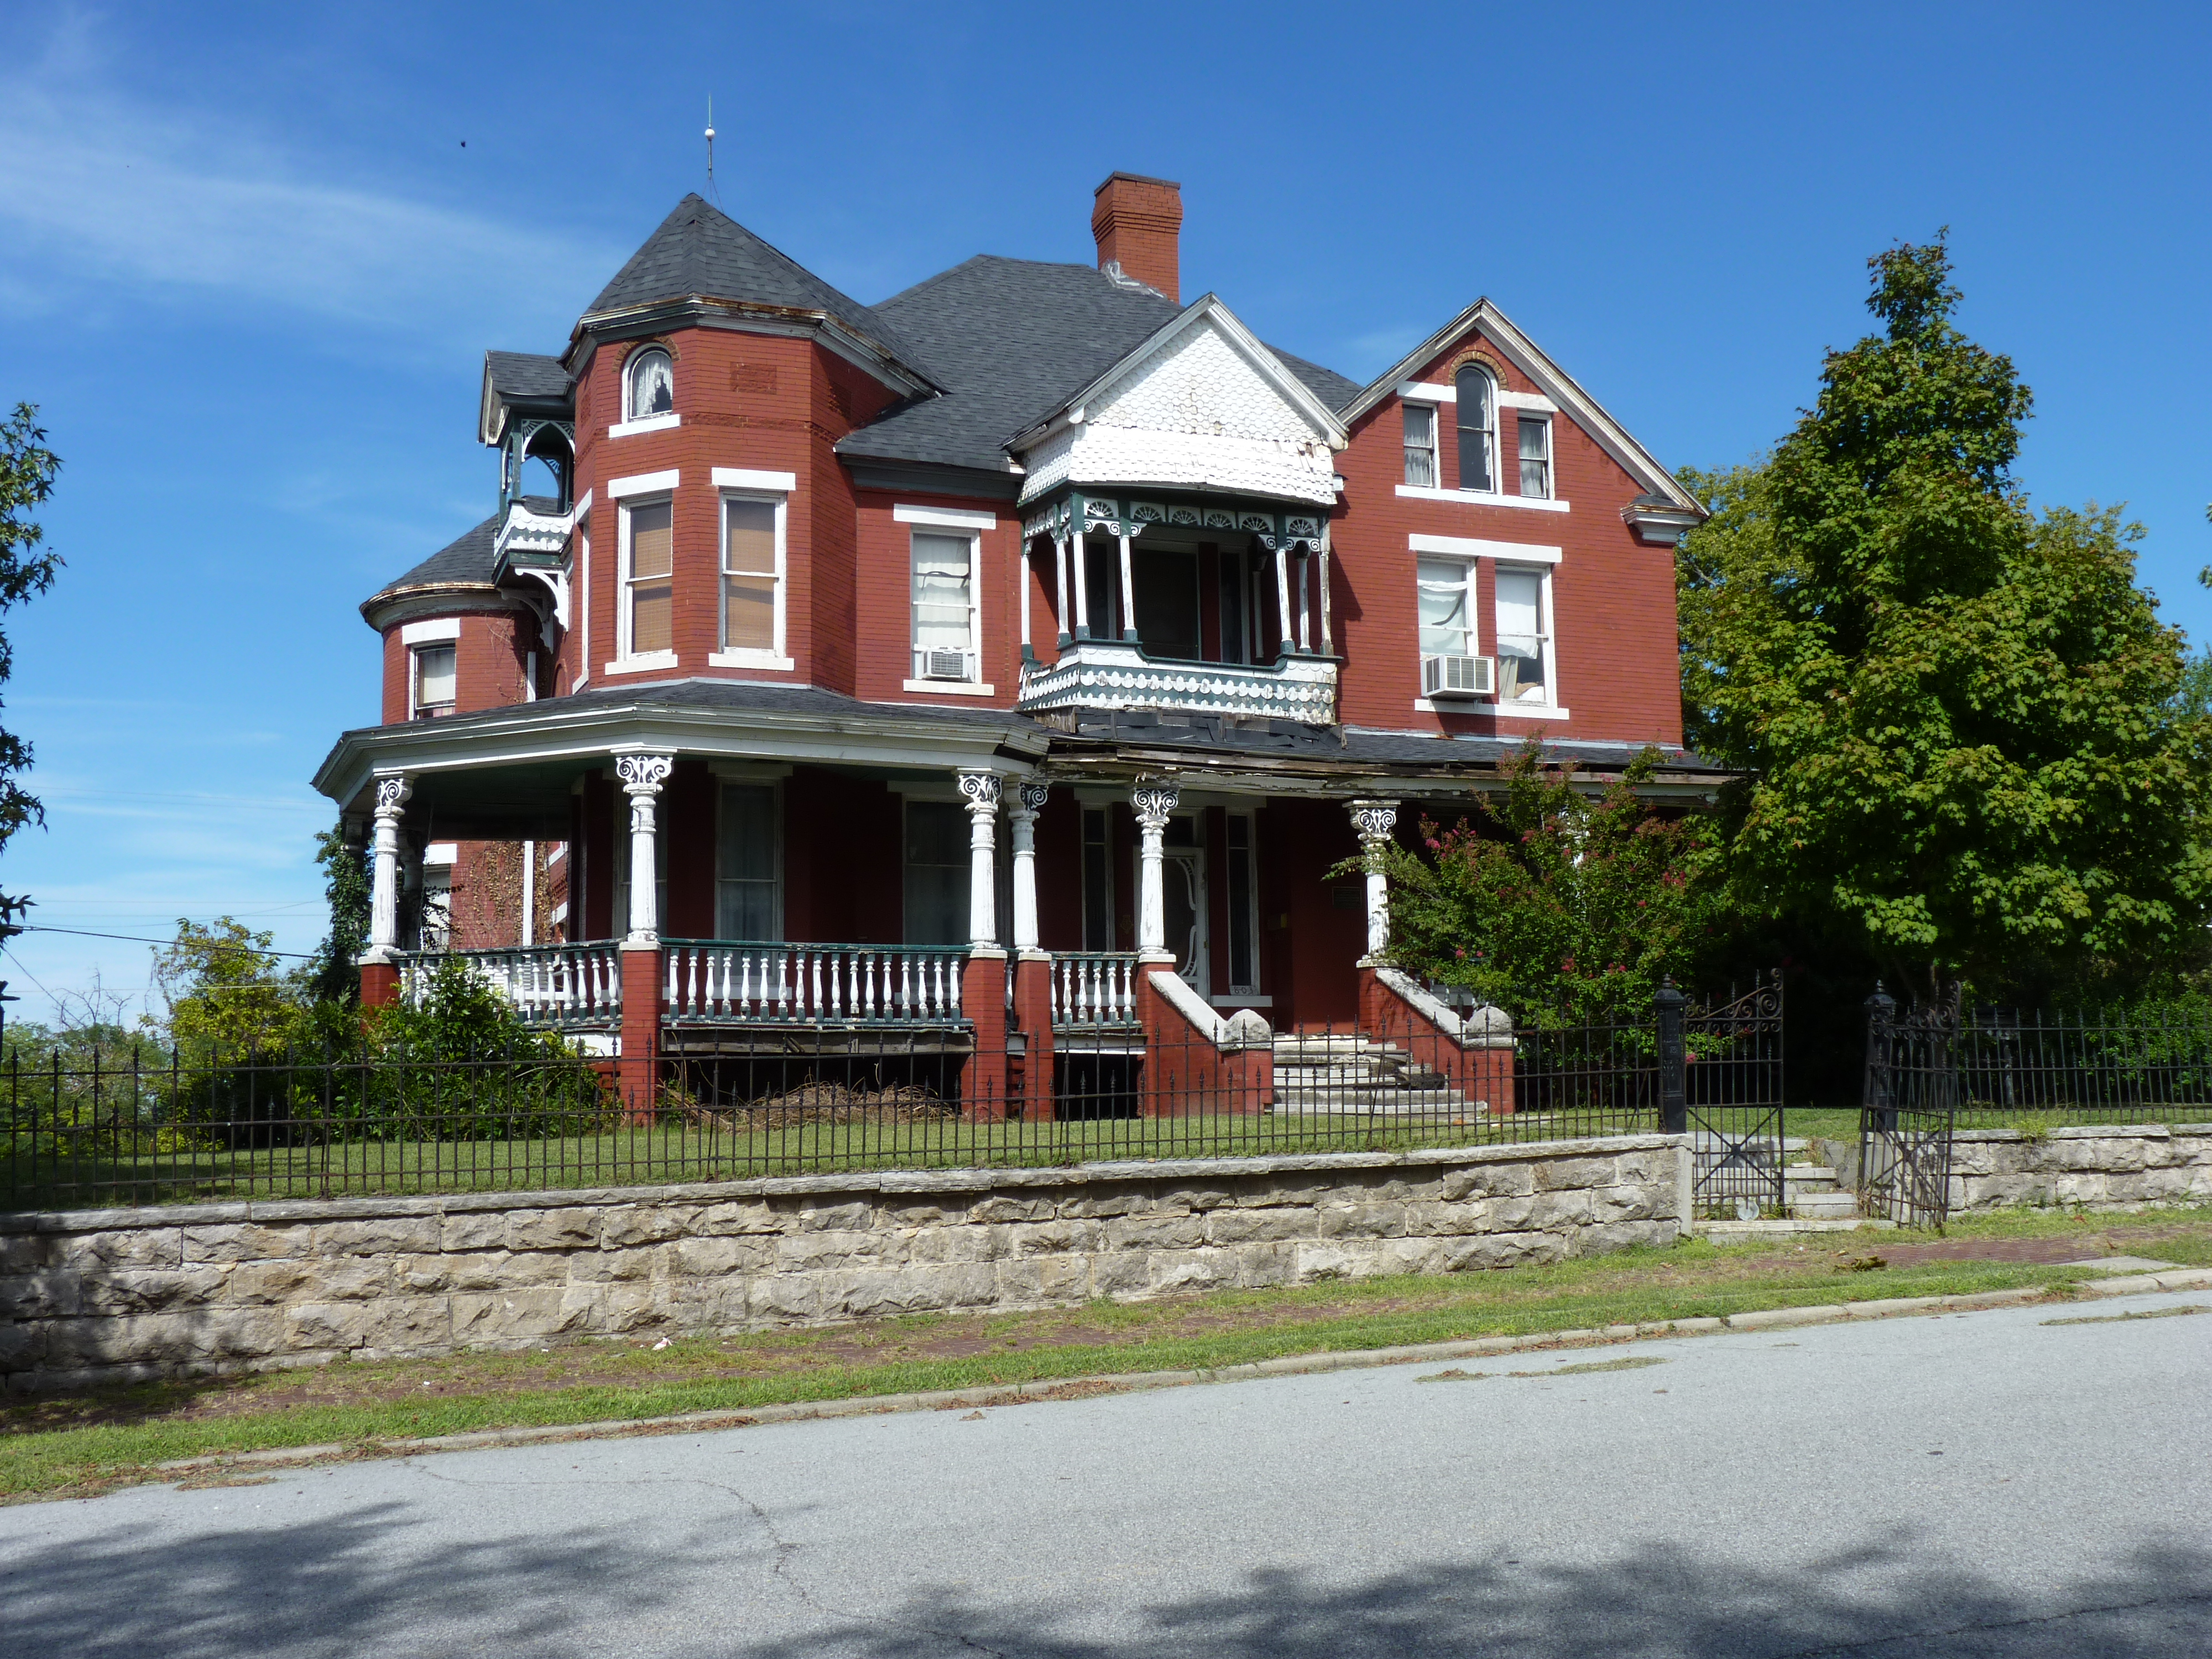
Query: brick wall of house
{"x":490,"y":665}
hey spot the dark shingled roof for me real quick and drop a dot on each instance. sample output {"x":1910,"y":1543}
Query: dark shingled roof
{"x":699,"y":249}
{"x":526,"y":377}
{"x":1011,"y":340}
{"x":468,"y":560}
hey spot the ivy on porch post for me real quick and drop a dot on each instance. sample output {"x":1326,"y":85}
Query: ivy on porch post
{"x":638,"y":1074}
{"x":380,"y":973}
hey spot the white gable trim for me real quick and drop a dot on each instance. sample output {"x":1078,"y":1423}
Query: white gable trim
{"x":1585,"y":411}
{"x":1287,"y":385}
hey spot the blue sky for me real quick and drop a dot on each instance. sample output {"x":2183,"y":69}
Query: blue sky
{"x":250,"y":256}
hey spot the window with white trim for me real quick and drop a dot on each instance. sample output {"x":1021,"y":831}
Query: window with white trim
{"x":1243,"y":909}
{"x":1536,"y":456}
{"x":1478,"y":428}
{"x":648,"y":611}
{"x":752,"y":575}
{"x":1447,"y":589}
{"x":946,"y":623}
{"x":648,"y":385}
{"x":431,"y":681}
{"x":1524,"y":635}
{"x":1421,"y":444}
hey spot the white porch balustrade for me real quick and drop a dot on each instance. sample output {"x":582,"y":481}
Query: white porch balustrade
{"x":735,"y":982}
{"x":560,"y":987}
{"x":1094,"y":990}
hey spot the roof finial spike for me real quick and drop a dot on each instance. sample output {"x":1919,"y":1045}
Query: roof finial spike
{"x":711,"y":190}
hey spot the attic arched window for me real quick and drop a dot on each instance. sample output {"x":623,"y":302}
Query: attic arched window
{"x":1478,"y":428}
{"x":649,"y":385}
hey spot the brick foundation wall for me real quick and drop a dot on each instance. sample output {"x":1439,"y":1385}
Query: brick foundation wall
{"x":108,"y":1296}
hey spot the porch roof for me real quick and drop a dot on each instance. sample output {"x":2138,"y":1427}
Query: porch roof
{"x":506,"y":772}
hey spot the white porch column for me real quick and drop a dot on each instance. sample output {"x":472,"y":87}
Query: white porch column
{"x":1153,"y":802}
{"x":642,"y":777}
{"x":1021,"y":575}
{"x":1374,"y":821}
{"x":392,"y":793}
{"x":1327,"y":638}
{"x":1305,"y":600}
{"x":1022,"y":816}
{"x":1283,"y":599}
{"x":1129,"y":593}
{"x":982,"y":791}
{"x":1078,"y":550}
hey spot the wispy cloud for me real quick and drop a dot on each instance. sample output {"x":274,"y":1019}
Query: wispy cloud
{"x":98,"y":186}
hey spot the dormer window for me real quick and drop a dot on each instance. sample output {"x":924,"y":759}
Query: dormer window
{"x":649,"y":385}
{"x":1478,"y":428}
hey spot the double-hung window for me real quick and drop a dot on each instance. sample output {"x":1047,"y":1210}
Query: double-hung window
{"x":937,"y":867}
{"x":1477,"y":396}
{"x":1420,"y":444}
{"x":944,"y":611}
{"x":648,"y":576}
{"x":746,"y":888}
{"x":1447,"y":589}
{"x":752,"y":577}
{"x":1535,"y":456}
{"x":432,"y":691}
{"x":1524,"y":636}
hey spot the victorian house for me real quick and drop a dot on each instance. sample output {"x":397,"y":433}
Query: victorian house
{"x":1005,"y":665}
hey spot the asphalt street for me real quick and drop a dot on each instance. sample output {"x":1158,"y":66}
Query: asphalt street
{"x":1970,"y":1485}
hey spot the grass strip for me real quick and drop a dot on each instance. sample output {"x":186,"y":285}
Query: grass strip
{"x":56,"y":1461}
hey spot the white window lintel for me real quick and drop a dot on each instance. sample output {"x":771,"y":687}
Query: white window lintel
{"x":741,"y":478}
{"x":749,"y":659}
{"x":1482,"y":498}
{"x":439,"y":630}
{"x":642,"y":665}
{"x":644,"y":423}
{"x":643,"y":483}
{"x":946,"y":518}
{"x":1472,"y":547}
{"x":949,"y":688}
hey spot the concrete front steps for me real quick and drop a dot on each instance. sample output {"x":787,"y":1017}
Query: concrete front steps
{"x":1813,"y":1193}
{"x":1359,"y":1077}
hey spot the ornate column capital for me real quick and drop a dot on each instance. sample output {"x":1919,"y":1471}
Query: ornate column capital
{"x":981,"y":790}
{"x":643,"y":774}
{"x":1033,"y":797}
{"x":1373,"y":820}
{"x":393,"y":791}
{"x":1153,"y":803}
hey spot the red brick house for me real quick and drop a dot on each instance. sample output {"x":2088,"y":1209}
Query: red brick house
{"x":1018,"y":653}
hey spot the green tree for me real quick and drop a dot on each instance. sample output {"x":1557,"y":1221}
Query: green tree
{"x":1556,"y":903}
{"x":333,"y":975}
{"x":1963,"y":724}
{"x":224,"y":994}
{"x":27,"y":469}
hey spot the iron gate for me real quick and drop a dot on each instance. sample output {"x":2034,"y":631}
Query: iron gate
{"x":1908,"y":1112}
{"x":1722,"y":1060}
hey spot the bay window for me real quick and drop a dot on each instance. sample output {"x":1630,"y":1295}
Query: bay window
{"x":648,"y":599}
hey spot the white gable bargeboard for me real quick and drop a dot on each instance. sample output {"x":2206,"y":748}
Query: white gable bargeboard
{"x":1194,"y":411}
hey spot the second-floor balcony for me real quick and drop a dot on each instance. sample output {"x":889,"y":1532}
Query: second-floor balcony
{"x":1116,"y":674}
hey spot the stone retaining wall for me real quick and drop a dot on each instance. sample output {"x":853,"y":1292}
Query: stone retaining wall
{"x":2117,"y":1167}
{"x":102,"y":1295}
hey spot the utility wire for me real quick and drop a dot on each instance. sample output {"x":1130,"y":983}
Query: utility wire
{"x":79,"y":933}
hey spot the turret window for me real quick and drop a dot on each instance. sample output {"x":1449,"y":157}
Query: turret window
{"x":433,"y":690}
{"x":649,"y":612}
{"x":752,"y":565}
{"x":649,"y":379}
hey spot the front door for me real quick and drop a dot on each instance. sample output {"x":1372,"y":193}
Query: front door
{"x":1184,"y":881}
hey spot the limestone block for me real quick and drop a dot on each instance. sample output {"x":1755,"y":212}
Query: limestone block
{"x":472,"y":1230}
{"x":909,"y":1217}
{"x":1439,"y":1219}
{"x":1362,"y":1221}
{"x":514,"y":1315}
{"x":1622,"y":1235}
{"x":1155,"y":1232}
{"x":1500,"y":1250}
{"x":53,"y":1294}
{"x":2080,"y":1187}
{"x":826,"y":1251}
{"x":152,"y":1290}
{"x":1318,"y":1262}
{"x":245,"y":1242}
{"x":136,"y":1247}
{"x":27,"y":1253}
{"x":711,"y":1258}
{"x":1567,"y":1173}
{"x":1507,"y":1215}
{"x":1098,"y":1207}
{"x":164,"y":1340}
{"x":22,"y":1345}
{"x":385,"y":1235}
{"x":392,"y":1324}
{"x":1261,"y":1266}
{"x":309,"y":1278}
{"x":1412,"y":1255}
{"x":709,"y":1304}
{"x":864,"y":1294}
{"x":1120,"y":1272}
{"x":633,"y":1307}
{"x":645,"y":1224}
{"x":836,"y":1218}
{"x":2109,"y":1154}
{"x":1609,"y":1204}
{"x":615,"y":1266}
{"x":956,"y":1242}
{"x":1489,"y":1180}
{"x":1654,"y":1168}
{"x":1208,"y":1198}
{"x":1982,"y":1158}
{"x":1169,"y":1271}
{"x":1270,"y":1226}
{"x":1000,"y":1207}
{"x":1038,"y":1280}
{"x":552,"y":1229}
{"x":783,"y":1298}
{"x":1056,"y":1237}
{"x":1554,"y":1210}
{"x":721,"y":1219}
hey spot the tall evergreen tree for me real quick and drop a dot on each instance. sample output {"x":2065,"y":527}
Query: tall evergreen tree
{"x":1964,"y":725}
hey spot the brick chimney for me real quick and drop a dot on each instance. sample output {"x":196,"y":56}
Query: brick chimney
{"x":1139,"y":225}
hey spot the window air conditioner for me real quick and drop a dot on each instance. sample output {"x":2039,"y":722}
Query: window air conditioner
{"x":944,"y":666}
{"x":1457,"y":676}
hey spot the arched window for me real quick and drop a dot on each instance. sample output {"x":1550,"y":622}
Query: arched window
{"x":1478,"y":428}
{"x":650,"y":380}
